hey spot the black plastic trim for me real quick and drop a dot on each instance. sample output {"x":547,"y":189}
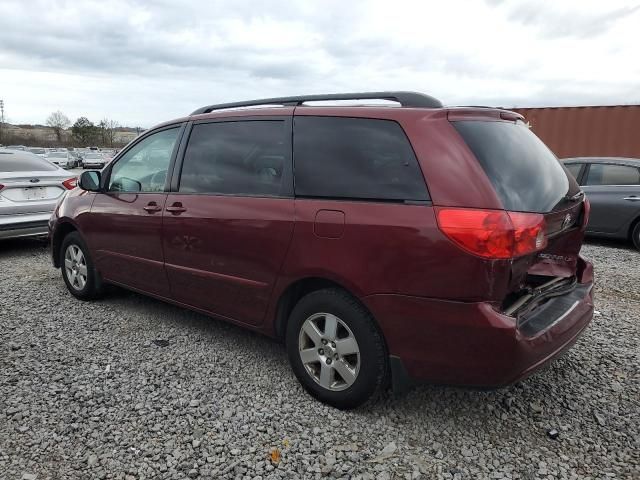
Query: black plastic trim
{"x":552,"y":310}
{"x":24,"y":225}
{"x":406,"y":99}
{"x":401,"y":382}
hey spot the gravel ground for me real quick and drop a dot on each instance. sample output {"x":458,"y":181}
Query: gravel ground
{"x":88,"y":391}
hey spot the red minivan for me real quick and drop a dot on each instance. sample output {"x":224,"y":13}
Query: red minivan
{"x":384,"y":243}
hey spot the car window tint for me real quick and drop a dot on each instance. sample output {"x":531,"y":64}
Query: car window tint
{"x":526,"y":175}
{"x":574,"y":169}
{"x":238,"y":158}
{"x":603,"y":174}
{"x":24,"y":162}
{"x":144,"y":167}
{"x":355,"y":158}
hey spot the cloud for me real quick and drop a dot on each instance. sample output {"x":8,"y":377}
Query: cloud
{"x":142,"y":62}
{"x":557,"y":19}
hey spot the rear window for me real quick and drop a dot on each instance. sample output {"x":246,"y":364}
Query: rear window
{"x":527,"y":176}
{"x":14,"y":162}
{"x":603,"y":174}
{"x":355,"y":158}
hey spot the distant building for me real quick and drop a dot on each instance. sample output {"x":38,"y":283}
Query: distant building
{"x":607,"y":131}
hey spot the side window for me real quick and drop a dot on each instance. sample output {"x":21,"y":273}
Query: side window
{"x":604,"y":174}
{"x":249,"y":157}
{"x":355,"y":158}
{"x":574,"y":169}
{"x":144,"y":167}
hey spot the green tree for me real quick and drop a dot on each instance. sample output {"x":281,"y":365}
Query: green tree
{"x":84,"y":132}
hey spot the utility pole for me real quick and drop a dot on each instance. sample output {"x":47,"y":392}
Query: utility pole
{"x":1,"y":120}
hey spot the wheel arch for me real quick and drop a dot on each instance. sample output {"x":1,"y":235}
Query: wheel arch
{"x":632,"y":227}
{"x":298,"y":289}
{"x":62,"y":230}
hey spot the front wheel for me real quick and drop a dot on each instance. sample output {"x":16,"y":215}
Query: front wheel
{"x":78,"y":271}
{"x":335,"y":349}
{"x":635,"y":235}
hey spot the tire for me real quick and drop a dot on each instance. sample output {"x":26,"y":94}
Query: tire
{"x":86,"y":284}
{"x":333,"y":373}
{"x":635,"y":235}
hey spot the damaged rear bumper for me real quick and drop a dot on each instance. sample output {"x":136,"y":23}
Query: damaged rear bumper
{"x":473,"y":344}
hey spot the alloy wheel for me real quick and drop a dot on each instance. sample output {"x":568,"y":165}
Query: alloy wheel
{"x":75,"y":266}
{"x":329,"y":351}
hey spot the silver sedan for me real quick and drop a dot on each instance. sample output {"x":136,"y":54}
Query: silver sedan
{"x":30,"y":188}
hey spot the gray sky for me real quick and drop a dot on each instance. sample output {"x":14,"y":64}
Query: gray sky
{"x":143,"y":62}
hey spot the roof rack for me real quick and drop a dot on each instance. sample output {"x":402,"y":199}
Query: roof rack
{"x":405,"y":99}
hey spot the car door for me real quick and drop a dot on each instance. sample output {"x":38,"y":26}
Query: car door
{"x":125,"y":231}
{"x":614,"y":193}
{"x":228,"y":224}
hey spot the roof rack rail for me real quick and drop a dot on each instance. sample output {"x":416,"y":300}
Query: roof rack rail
{"x":405,"y":99}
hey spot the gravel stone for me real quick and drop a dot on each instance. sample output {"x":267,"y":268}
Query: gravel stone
{"x":89,"y":394}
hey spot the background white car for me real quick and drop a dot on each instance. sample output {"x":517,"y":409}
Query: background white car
{"x":30,"y":187}
{"x":61,"y":158}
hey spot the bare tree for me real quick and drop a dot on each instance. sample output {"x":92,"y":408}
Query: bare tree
{"x":58,"y":121}
{"x":108,"y":131}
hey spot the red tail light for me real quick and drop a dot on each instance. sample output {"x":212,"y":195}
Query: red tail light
{"x":70,"y":183}
{"x":493,"y":233}
{"x":585,"y":212}
{"x":1,"y":186}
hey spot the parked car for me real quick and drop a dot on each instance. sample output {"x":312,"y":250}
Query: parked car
{"x":62,"y":159}
{"x":613,"y":187}
{"x":16,"y":147}
{"x":93,"y":160}
{"x":30,"y":187}
{"x":41,"y":152}
{"x":411,"y":243}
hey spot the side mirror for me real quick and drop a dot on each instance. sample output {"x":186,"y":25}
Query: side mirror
{"x":90,"y":181}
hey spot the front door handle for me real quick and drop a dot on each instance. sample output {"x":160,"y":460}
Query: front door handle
{"x":633,"y":198}
{"x":176,"y":208}
{"x":152,"y":207}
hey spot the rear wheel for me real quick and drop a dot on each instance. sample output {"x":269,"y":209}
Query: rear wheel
{"x":78,"y":271}
{"x":635,"y":235}
{"x":335,"y":349}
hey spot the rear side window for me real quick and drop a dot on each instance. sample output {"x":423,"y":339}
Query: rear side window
{"x":526,"y":175}
{"x":238,"y":158}
{"x":602,"y":174}
{"x":21,"y":162}
{"x":355,"y":158}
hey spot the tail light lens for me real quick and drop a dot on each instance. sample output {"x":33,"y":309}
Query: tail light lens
{"x":586,"y":206}
{"x":493,"y":234}
{"x":70,"y":183}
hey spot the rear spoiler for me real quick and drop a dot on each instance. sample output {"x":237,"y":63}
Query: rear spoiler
{"x":482,"y":113}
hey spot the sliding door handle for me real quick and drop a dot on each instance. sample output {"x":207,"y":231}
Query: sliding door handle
{"x":176,"y":208}
{"x":152,"y":207}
